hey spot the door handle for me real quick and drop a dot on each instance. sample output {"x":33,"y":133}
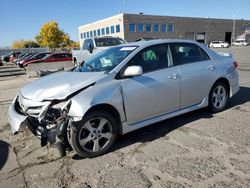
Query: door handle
{"x":210,"y":67}
{"x":173,"y":76}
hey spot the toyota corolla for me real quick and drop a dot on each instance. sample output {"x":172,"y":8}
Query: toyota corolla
{"x":122,"y":89}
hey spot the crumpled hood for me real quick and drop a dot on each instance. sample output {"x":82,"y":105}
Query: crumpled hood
{"x":59,"y":85}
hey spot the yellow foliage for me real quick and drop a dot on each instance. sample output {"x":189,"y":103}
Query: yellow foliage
{"x":24,"y":44}
{"x":51,"y":36}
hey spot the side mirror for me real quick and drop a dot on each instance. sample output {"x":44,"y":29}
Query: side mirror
{"x":90,"y":48}
{"x":133,"y":71}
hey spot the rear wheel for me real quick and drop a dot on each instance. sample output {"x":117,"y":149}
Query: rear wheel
{"x":218,"y":97}
{"x":95,"y":134}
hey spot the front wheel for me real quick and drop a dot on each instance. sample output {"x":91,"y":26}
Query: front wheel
{"x":95,"y":134}
{"x":218,"y":97}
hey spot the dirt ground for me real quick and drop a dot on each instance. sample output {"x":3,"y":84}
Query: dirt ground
{"x":197,"y":149}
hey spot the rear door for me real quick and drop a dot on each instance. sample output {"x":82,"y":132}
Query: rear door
{"x":196,"y":70}
{"x":157,"y":91}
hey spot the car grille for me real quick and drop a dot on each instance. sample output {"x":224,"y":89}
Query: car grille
{"x":30,"y":109}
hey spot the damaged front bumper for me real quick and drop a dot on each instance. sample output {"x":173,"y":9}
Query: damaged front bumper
{"x":15,"y":119}
{"x":48,"y":121}
{"x":22,"y":108}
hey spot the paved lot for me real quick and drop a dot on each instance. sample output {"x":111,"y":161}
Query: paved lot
{"x":194,"y":150}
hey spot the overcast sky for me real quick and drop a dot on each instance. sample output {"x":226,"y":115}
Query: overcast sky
{"x":22,"y":19}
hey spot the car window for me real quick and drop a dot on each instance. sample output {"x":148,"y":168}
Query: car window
{"x":86,"y":44}
{"x":153,"y":58}
{"x":101,"y":42}
{"x":107,"y":59}
{"x":184,"y":53}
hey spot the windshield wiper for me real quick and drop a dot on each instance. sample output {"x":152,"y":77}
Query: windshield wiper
{"x":91,"y":67}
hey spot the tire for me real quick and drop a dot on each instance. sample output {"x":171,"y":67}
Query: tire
{"x":218,"y":97}
{"x":95,"y":134}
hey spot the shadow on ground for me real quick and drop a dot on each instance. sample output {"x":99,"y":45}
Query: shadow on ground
{"x":4,"y":153}
{"x":162,"y":128}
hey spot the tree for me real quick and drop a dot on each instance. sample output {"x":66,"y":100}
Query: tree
{"x":24,"y":44}
{"x":51,"y":36}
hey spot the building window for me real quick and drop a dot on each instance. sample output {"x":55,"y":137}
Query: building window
{"x":148,"y":27}
{"x":112,"y":29}
{"x":156,"y":27}
{"x":81,"y":35}
{"x":131,"y":27}
{"x":140,"y":27}
{"x":94,"y":33}
{"x":98,"y":32}
{"x":91,"y":33}
{"x":84,"y":35}
{"x":107,"y":30}
{"x":117,"y":28}
{"x":170,"y":27}
{"x":163,"y":28}
{"x":103,"y":31}
{"x":87,"y":34}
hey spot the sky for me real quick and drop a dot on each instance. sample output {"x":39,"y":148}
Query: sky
{"x":22,"y":19}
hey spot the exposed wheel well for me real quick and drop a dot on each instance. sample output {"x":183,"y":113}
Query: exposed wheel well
{"x":109,"y":108}
{"x":225,"y":81}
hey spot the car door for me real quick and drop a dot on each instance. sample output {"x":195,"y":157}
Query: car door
{"x":196,"y":70}
{"x":157,"y":91}
{"x":84,"y":54}
{"x":50,"y":59}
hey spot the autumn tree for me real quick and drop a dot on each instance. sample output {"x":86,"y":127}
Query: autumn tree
{"x":24,"y":44}
{"x":52,"y":36}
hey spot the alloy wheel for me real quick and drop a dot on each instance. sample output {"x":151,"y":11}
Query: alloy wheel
{"x":95,"y":134}
{"x":219,"y":97}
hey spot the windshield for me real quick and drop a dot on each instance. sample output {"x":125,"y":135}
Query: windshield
{"x":106,"y":60}
{"x":102,"y":42}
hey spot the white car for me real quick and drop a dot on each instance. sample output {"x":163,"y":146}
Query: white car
{"x":240,"y":42}
{"x":218,"y":44}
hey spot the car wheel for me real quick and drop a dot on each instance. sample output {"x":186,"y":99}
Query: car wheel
{"x":218,"y":97}
{"x":95,"y":134}
{"x":222,"y":46}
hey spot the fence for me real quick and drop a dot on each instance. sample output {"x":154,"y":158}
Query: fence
{"x":24,"y":50}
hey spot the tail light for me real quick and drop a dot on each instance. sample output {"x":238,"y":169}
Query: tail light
{"x":236,"y":64}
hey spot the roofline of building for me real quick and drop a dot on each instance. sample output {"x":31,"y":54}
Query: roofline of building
{"x":133,"y":14}
{"x":102,"y":20}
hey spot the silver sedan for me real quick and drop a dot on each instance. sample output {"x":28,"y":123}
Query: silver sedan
{"x":122,"y":89}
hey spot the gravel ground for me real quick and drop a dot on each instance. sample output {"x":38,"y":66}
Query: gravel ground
{"x":197,"y":149}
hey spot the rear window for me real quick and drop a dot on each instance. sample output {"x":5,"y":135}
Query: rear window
{"x":102,"y":42}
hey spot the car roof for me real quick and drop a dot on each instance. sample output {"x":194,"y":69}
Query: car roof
{"x":158,"y":41}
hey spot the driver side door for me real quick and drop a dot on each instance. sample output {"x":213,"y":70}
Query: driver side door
{"x":157,"y":91}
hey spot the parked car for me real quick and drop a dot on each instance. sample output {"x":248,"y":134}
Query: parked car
{"x":13,"y":56}
{"x":7,"y":57}
{"x":21,"y":57}
{"x":240,"y":42}
{"x":94,"y":45}
{"x":33,"y":57}
{"x":218,"y":44}
{"x":56,"y":57}
{"x":115,"y":91}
